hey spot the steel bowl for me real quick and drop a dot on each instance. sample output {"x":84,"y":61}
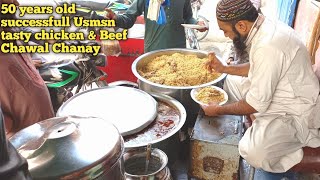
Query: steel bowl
{"x":135,"y":165}
{"x":180,"y":93}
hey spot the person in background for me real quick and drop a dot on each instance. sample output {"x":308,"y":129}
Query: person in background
{"x":280,"y":93}
{"x":169,"y":34}
{"x":24,"y":97}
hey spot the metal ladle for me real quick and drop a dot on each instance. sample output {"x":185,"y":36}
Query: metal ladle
{"x":148,"y":155}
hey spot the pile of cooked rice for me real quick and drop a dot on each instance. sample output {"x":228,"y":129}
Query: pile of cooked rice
{"x":177,"y":70}
{"x":209,"y":94}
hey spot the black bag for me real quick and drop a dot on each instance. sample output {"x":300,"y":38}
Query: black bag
{"x":12,"y":165}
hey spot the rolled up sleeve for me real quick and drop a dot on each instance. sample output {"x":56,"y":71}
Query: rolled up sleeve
{"x":187,"y":13}
{"x":128,"y":19}
{"x":265,"y":73}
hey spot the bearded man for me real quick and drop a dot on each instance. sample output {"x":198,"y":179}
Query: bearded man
{"x":280,"y":90}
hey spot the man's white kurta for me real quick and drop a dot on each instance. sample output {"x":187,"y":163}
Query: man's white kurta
{"x":283,"y":88}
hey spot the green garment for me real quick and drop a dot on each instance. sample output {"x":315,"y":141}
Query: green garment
{"x":169,"y":35}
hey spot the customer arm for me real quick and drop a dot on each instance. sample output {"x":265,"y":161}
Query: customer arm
{"x":32,"y":38}
{"x":128,"y":19}
{"x":187,"y":13}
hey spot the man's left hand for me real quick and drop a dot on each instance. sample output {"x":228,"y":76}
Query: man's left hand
{"x":201,"y":23}
{"x":211,"y":109}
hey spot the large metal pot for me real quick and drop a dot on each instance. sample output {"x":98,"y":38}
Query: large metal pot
{"x":72,"y":148}
{"x":180,"y":93}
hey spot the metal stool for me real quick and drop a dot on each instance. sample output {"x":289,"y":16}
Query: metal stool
{"x":309,"y":164}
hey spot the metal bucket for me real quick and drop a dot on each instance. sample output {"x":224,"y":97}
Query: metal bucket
{"x":135,"y":165}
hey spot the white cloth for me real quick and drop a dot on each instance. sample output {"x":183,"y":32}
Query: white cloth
{"x":283,"y":88}
{"x":316,"y":66}
{"x":256,"y":3}
{"x":269,"y":8}
{"x":236,"y":87}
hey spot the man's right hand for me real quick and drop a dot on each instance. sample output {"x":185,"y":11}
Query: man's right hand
{"x":37,"y":63}
{"x":214,"y":63}
{"x":110,"y":14}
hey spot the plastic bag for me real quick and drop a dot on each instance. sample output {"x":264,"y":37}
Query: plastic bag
{"x":156,"y":10}
{"x":153,"y":9}
{"x":110,"y":47}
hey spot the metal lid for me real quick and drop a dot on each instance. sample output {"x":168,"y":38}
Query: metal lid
{"x":224,"y":129}
{"x":169,"y":109}
{"x":129,"y":109}
{"x":69,"y":147}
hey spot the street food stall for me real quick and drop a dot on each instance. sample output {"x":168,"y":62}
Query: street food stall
{"x":123,"y":133}
{"x":144,"y":116}
{"x":90,"y":146}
